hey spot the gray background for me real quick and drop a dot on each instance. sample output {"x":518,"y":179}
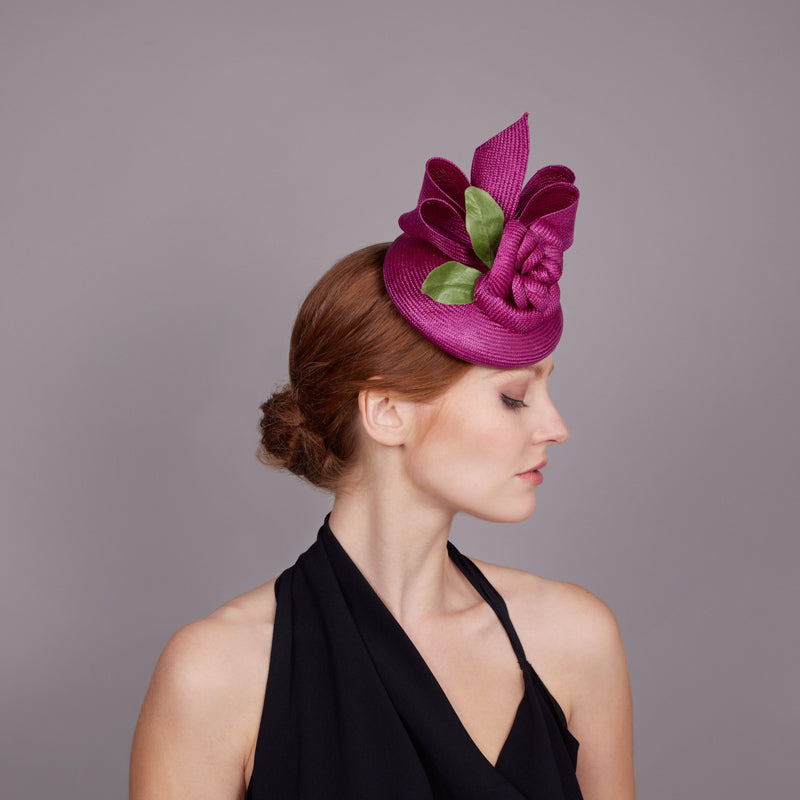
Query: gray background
{"x":175,"y":176}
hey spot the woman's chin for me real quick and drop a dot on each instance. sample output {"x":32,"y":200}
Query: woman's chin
{"x":519,"y":512}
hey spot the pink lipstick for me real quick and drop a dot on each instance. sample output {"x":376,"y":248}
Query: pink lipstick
{"x":531,"y":476}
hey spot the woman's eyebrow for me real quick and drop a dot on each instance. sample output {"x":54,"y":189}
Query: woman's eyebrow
{"x":526,"y":371}
{"x":535,"y":369}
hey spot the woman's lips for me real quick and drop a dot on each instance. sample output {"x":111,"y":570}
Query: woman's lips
{"x":531,"y":476}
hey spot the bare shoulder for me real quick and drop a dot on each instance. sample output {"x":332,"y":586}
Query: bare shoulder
{"x":199,"y":721}
{"x":567,"y":632}
{"x":583,"y":618}
{"x":230,"y":647}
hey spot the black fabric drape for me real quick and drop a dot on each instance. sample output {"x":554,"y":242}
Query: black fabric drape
{"x":352,"y":710}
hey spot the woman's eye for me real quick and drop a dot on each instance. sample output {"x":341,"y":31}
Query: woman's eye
{"x":512,"y":403}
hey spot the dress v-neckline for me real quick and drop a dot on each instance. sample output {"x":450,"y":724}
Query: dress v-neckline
{"x":460,"y":561}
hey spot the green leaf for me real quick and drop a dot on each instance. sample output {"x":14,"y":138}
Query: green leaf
{"x":485,"y":222}
{"x":451,"y":283}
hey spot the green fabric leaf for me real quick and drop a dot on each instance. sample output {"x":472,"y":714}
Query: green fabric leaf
{"x":485,"y":222}
{"x":451,"y":283}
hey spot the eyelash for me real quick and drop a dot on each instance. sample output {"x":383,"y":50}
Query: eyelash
{"x":512,"y":403}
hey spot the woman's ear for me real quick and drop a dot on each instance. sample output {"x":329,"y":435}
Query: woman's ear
{"x":386,"y":418}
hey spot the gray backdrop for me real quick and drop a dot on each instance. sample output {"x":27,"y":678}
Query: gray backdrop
{"x":176,"y":175}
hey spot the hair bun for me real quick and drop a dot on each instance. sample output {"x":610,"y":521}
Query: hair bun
{"x":282,"y":429}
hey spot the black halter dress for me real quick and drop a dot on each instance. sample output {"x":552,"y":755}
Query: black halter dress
{"x":353,"y":712}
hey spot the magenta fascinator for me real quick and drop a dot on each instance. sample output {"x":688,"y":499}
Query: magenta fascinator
{"x":477,"y":266}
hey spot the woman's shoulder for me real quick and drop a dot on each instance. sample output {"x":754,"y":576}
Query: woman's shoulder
{"x":203,"y":705}
{"x":218,"y":648}
{"x":571,"y":608}
{"x":567,"y":631}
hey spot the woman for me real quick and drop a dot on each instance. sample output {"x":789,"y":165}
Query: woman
{"x":398,"y":667}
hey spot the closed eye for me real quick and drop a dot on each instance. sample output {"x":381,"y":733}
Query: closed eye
{"x":513,"y":403}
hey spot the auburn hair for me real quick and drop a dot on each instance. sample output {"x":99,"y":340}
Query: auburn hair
{"x":347,"y":335}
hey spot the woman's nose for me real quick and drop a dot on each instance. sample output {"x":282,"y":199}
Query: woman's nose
{"x":552,"y":427}
{"x":561,"y":431}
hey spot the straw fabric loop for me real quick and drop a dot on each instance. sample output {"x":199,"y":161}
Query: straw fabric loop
{"x":439,"y":223}
{"x":555,"y":173}
{"x":445,"y":181}
{"x":556,"y":203}
{"x":440,"y":212}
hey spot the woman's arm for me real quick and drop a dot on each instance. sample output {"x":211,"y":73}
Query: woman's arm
{"x":601,"y":717}
{"x":199,"y":721}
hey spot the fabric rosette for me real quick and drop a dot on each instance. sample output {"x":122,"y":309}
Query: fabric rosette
{"x":477,"y":266}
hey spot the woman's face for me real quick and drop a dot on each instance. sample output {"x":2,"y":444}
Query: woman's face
{"x":485,"y":433}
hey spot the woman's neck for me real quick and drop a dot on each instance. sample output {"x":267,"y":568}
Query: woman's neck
{"x":400,"y":546}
